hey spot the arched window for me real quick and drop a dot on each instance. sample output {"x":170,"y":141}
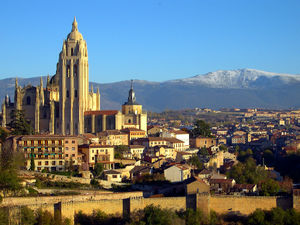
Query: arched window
{"x":28,"y":100}
{"x":75,"y":70}
{"x":68,"y":71}
{"x":71,"y":51}
{"x":129,"y":121}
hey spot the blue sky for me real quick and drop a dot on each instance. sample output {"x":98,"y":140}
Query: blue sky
{"x":152,"y":40}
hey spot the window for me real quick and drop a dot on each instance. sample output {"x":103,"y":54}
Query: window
{"x":53,"y":163}
{"x":39,"y":163}
{"x":32,"y":142}
{"x":46,"y":142}
{"x":93,"y":158}
{"x":72,"y":51}
{"x":53,"y":149}
{"x":67,"y":155}
{"x":73,"y":148}
{"x":68,"y":71}
{"x":46,"y":163}
{"x":60,"y":163}
{"x":66,"y":141}
{"x":73,"y":155}
{"x":114,"y":176}
{"x":67,"y":93}
{"x":25,"y":143}
{"x":39,"y":142}
{"x":75,"y":70}
{"x":28,"y":100}
{"x":75,"y":93}
{"x":67,"y":148}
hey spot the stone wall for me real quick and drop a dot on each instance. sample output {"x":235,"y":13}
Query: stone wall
{"x":247,"y":204}
{"x":125,"y":203}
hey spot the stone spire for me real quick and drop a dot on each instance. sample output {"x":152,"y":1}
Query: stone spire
{"x":37,"y":111}
{"x":42,"y":100}
{"x":48,"y":80}
{"x":98,"y":99}
{"x":3,"y":114}
{"x":131,"y":96}
{"x":16,"y":83}
{"x":92,"y":89}
{"x":74,"y":25}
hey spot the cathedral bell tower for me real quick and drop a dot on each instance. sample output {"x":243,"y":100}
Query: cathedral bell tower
{"x":73,"y":71}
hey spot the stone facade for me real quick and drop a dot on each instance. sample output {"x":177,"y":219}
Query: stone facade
{"x":67,"y":105}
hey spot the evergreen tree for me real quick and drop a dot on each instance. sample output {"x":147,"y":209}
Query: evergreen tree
{"x":19,"y":124}
{"x":201,"y":128}
{"x":32,"y":165}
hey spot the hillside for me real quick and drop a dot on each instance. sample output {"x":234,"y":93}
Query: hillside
{"x":232,"y":88}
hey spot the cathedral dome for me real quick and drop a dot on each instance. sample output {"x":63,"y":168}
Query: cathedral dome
{"x":75,"y":34}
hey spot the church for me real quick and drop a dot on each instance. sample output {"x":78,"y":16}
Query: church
{"x":67,"y":105}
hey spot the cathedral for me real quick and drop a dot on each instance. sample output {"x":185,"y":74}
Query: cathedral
{"x":67,"y":105}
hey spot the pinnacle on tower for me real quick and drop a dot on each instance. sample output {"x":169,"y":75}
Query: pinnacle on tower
{"x":92,"y":89}
{"x":41,"y":82}
{"x":48,"y":80}
{"x":16,"y":82}
{"x":74,"y":25}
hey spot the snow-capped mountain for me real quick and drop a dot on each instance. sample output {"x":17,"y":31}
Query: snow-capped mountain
{"x":241,"y":78}
{"x":243,"y":88}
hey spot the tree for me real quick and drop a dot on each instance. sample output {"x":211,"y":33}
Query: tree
{"x":247,"y":172}
{"x":154,"y":215}
{"x":119,"y":150}
{"x":203,"y":151}
{"x":3,"y":135}
{"x":193,"y":217}
{"x":201,"y":128}
{"x":223,"y":148}
{"x":194,"y":160}
{"x":269,"y":187}
{"x":27,"y":216}
{"x":257,"y":217}
{"x":98,"y":169}
{"x":19,"y":124}
{"x":32,"y":165}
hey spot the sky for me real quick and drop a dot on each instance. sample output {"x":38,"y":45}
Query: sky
{"x":154,"y":40}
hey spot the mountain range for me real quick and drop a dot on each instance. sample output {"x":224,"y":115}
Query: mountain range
{"x":241,"y":88}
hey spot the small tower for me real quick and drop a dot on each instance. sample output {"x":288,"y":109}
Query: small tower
{"x":133,"y":115}
{"x":18,"y":100}
{"x":131,"y":106}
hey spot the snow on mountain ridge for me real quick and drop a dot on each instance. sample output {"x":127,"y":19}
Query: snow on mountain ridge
{"x":241,"y":78}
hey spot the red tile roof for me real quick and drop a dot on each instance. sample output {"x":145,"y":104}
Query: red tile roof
{"x":101,"y":112}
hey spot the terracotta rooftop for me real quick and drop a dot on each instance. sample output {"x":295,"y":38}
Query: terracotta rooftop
{"x":173,"y":140}
{"x":178,"y":132}
{"x":136,"y":146}
{"x":132,"y":129}
{"x":101,"y":112}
